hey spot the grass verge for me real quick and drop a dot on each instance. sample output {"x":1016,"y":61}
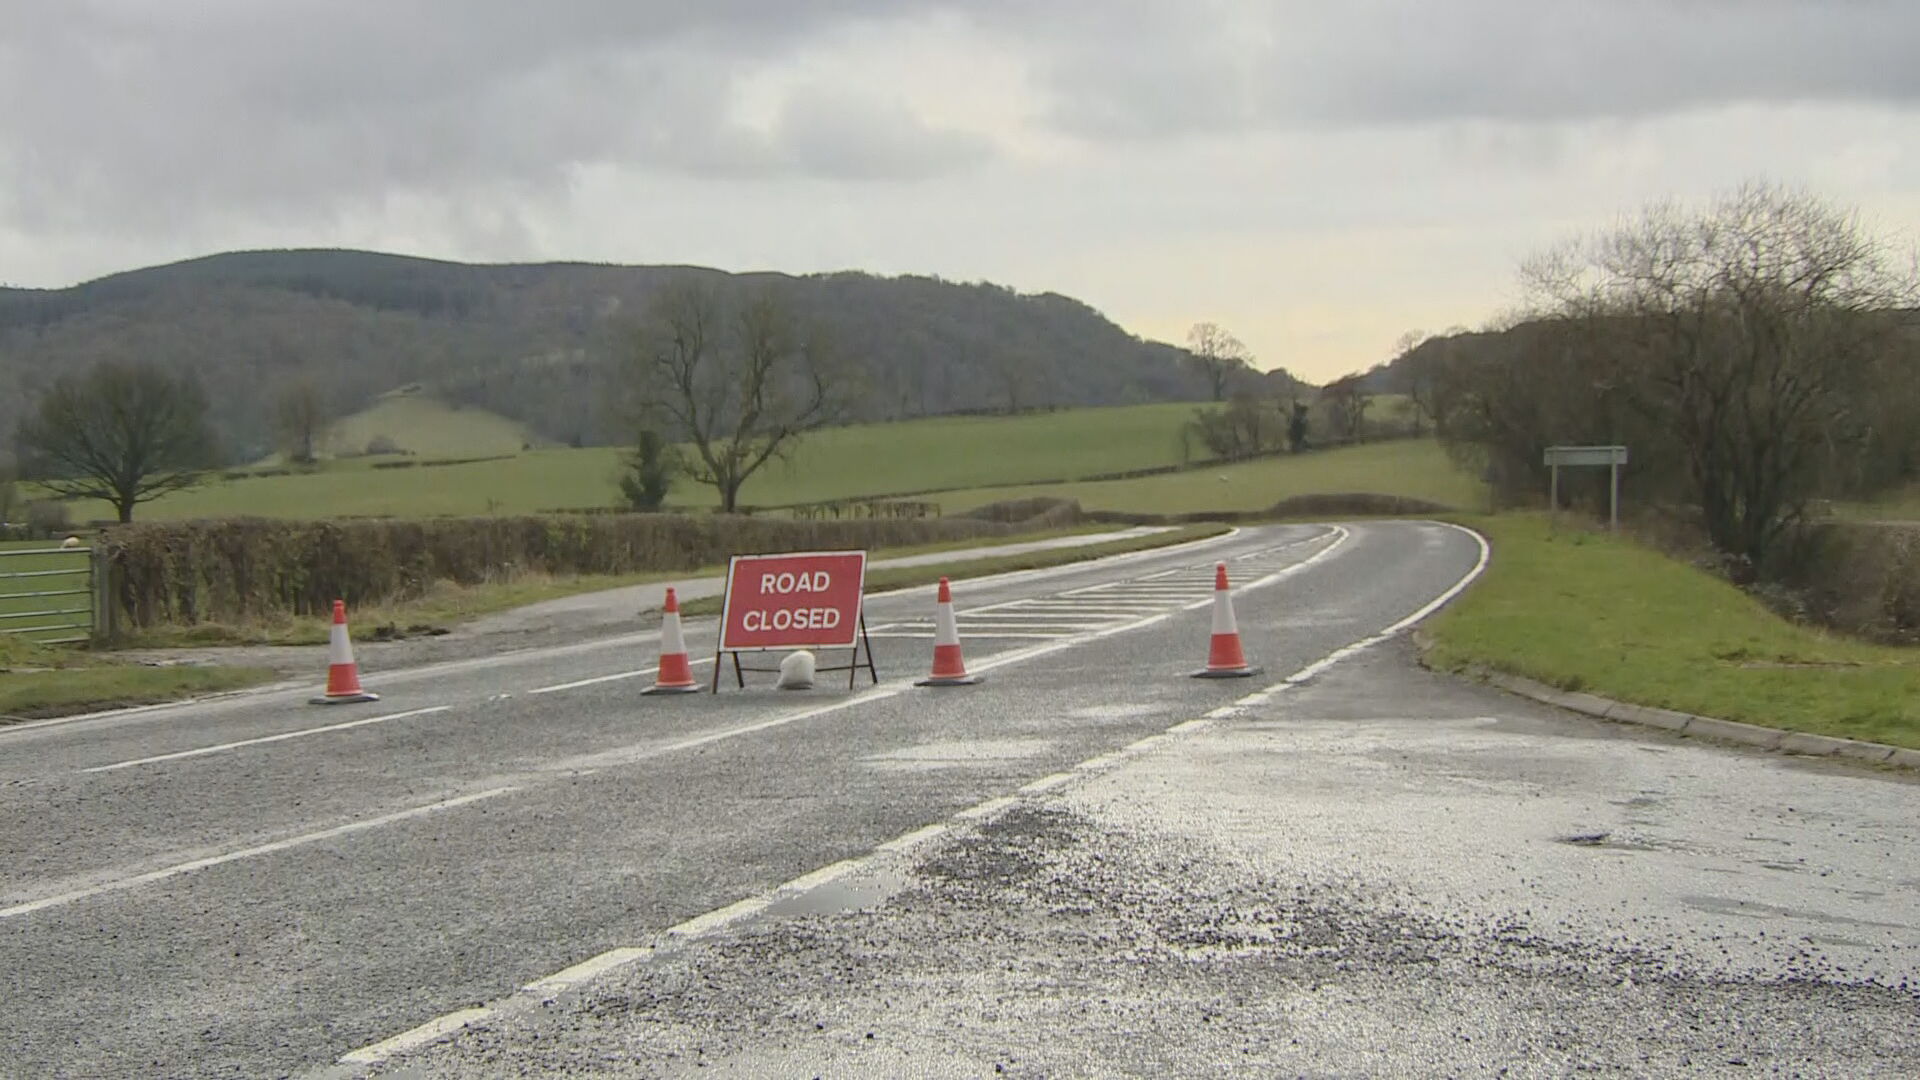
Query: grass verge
{"x":1587,"y":611}
{"x":37,"y":682}
{"x":901,"y":577}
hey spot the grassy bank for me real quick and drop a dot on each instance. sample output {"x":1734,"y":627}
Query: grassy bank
{"x":37,"y":682}
{"x":1417,"y":468}
{"x":1585,"y":611}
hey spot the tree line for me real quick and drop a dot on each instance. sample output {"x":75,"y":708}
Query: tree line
{"x":1756,"y":354}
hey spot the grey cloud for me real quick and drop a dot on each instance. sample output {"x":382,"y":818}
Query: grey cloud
{"x":1149,"y":70}
{"x":152,"y":116}
{"x":829,"y":133}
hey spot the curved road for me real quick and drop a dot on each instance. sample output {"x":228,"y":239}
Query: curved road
{"x":255,"y":887}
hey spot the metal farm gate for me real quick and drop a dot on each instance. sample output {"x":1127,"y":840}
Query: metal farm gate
{"x":47,"y":594}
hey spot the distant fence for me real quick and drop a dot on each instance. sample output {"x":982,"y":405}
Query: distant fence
{"x":47,"y":595}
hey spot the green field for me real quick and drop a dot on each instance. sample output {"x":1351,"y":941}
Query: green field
{"x":836,"y":463}
{"x":1417,"y":468}
{"x":428,"y":428}
{"x":1588,"y":611}
{"x":59,"y":565}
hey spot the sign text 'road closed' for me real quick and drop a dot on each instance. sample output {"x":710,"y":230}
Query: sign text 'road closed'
{"x":807,"y":599}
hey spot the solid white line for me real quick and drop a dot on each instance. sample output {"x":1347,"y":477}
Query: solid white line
{"x":714,"y":920}
{"x":721,"y":917}
{"x":241,"y":698}
{"x":301,"y":734}
{"x":615,"y":677}
{"x":248,"y":853}
{"x":915,"y":838}
{"x":568,"y":978}
{"x":972,"y":633}
{"x":431,"y":1031}
{"x":986,"y":809}
{"x":830,"y":872}
{"x":1046,"y":783}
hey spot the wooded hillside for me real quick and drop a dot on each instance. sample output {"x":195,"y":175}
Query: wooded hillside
{"x":534,"y":342}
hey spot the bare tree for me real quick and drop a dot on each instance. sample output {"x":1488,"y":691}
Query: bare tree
{"x":1750,"y":330}
{"x":1416,"y":373}
{"x":1347,"y":400}
{"x":737,"y":376}
{"x":125,"y":433}
{"x":1218,"y":355}
{"x":299,"y":419}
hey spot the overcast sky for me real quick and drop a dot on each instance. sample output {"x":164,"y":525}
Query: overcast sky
{"x":1316,"y":176}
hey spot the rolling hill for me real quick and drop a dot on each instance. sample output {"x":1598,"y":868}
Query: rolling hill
{"x":538,"y":344}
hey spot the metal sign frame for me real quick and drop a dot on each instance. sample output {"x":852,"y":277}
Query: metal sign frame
{"x":1607,"y":457}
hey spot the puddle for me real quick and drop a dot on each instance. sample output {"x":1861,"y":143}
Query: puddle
{"x":864,"y":889}
{"x":1721,"y":905}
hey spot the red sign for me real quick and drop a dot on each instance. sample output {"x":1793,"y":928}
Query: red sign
{"x":808,"y":599}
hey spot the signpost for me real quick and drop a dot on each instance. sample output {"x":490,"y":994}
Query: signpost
{"x":1611,"y":457}
{"x":799,"y":600}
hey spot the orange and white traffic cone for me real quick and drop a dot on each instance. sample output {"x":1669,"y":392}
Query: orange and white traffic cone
{"x":343,"y":675}
{"x":1225,"y":660}
{"x":949,"y":669}
{"x":676,"y":671}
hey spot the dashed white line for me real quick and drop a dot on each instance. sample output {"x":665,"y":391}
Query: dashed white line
{"x":735,"y":912}
{"x":247,"y":853}
{"x":282,"y":737}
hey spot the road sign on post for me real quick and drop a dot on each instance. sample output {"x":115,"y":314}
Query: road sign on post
{"x":1610,"y":457}
{"x":798,"y":600}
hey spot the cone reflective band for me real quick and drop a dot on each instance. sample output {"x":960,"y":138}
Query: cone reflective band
{"x":1225,"y":658}
{"x":676,"y":671}
{"x":343,"y":675}
{"x":949,"y":669}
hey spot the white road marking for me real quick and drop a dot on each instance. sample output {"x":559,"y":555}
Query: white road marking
{"x":986,"y":809}
{"x":301,"y":734}
{"x":288,"y":689}
{"x":568,"y":978}
{"x":429,"y":1032}
{"x":714,"y":920}
{"x":615,"y":677}
{"x":248,"y":853}
{"x":915,"y":838}
{"x":753,"y":905}
{"x":1046,"y":783}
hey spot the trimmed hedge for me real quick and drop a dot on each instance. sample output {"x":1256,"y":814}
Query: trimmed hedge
{"x":183,"y":573}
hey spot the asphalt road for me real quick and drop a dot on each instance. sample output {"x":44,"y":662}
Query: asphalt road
{"x":1349,"y":873}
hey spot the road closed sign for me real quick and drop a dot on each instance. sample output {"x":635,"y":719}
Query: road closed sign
{"x":807,"y":599}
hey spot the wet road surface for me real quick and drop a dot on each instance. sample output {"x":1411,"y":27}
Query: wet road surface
{"x":243,"y":888}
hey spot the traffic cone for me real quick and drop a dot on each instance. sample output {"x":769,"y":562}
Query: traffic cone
{"x":343,"y":675}
{"x":1225,"y":660}
{"x":948,"y":667}
{"x":676,"y":672}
